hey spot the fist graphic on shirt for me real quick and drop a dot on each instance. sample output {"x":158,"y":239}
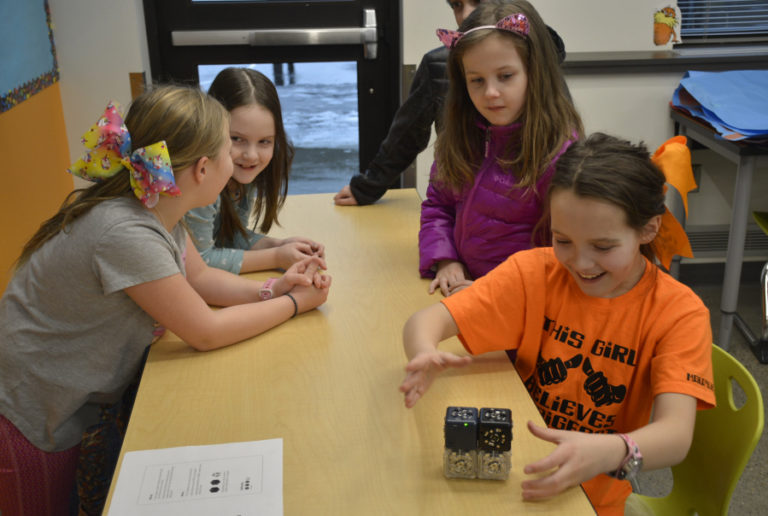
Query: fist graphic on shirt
{"x":598,"y":388}
{"x":554,"y":370}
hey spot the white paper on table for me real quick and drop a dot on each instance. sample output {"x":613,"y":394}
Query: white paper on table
{"x":233,"y":479}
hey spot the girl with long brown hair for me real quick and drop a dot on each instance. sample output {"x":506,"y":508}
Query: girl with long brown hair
{"x":262,"y":157}
{"x":508,"y":117}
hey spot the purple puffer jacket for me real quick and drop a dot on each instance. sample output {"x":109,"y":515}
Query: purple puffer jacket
{"x":487,"y":221}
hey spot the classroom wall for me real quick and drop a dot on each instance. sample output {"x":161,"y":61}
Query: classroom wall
{"x":586,"y":26}
{"x":33,"y":142}
{"x":633,"y":106}
{"x":34,"y":149}
{"x":39,"y":135}
{"x":98,"y":44}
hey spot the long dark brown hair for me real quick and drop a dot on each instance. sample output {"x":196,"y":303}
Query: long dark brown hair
{"x":548,"y":118}
{"x":613,"y":170}
{"x":192,"y":125}
{"x":236,"y":87}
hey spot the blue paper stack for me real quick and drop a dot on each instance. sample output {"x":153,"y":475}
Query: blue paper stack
{"x":734,"y":103}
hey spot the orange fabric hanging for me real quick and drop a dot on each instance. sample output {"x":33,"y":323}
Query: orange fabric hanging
{"x":674,"y":159}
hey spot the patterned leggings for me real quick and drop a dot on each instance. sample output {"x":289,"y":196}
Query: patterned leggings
{"x":37,"y":483}
{"x":34,"y":482}
{"x":99,"y":451}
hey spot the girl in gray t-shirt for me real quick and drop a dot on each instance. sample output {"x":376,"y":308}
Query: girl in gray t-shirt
{"x":103,"y":277}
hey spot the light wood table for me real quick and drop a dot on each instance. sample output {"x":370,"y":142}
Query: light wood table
{"x":327,"y":384}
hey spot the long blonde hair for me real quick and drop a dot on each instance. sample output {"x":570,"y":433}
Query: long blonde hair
{"x":192,"y":124}
{"x":548,"y":118}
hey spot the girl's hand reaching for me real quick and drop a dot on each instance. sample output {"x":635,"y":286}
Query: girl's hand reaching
{"x":316,"y":248}
{"x":451,"y":277}
{"x":302,"y":273}
{"x":345,"y":197}
{"x":578,"y":457}
{"x":461,"y":285}
{"x":423,"y":368}
{"x":312,"y":295}
{"x":295,"y":249}
{"x":282,"y":253}
{"x":306,"y":283}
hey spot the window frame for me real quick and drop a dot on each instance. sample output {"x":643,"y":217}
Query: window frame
{"x":697,"y":30}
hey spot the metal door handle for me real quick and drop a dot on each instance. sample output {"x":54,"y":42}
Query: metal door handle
{"x":365,"y":35}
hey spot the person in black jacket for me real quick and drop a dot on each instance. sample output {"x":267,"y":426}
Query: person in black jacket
{"x":411,"y":127}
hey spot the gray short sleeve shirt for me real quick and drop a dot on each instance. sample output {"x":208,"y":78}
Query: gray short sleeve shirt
{"x":70,"y":338}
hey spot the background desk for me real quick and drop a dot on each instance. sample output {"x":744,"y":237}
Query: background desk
{"x":746,"y":157}
{"x":327,"y":383}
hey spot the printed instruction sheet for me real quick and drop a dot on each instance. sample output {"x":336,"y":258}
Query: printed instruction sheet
{"x":233,"y":479}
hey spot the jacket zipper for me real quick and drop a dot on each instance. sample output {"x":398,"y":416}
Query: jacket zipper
{"x":459,"y":235}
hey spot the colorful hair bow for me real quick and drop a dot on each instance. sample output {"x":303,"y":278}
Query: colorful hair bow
{"x":515,"y":23}
{"x":108,"y":145}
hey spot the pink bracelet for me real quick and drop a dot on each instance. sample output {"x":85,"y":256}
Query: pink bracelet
{"x":265,"y":292}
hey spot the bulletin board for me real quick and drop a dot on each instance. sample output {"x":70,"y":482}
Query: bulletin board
{"x":27,"y":51}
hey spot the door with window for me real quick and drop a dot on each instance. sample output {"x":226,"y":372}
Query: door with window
{"x":335,"y":65}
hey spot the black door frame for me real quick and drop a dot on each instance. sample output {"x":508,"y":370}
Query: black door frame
{"x":378,"y":79}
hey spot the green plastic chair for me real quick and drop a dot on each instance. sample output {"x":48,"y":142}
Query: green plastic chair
{"x":723,"y":441}
{"x":761,"y":217}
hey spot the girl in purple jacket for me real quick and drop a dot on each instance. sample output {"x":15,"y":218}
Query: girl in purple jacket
{"x":507,"y":119}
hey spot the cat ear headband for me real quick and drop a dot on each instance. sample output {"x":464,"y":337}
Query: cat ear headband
{"x":108,"y":145}
{"x":516,"y":23}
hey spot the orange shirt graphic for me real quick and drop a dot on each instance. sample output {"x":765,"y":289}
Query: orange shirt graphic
{"x":590,"y":364}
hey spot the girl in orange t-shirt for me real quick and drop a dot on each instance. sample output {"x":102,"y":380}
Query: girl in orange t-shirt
{"x":602,"y":335}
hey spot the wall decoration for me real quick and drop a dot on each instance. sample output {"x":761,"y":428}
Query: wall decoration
{"x":27,"y":51}
{"x":666,"y":23}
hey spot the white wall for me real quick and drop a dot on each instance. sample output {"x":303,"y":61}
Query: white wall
{"x":602,"y":25}
{"x":420,"y":20}
{"x":98,"y":43}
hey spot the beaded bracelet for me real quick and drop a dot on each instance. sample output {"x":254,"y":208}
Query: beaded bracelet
{"x":295,"y":305}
